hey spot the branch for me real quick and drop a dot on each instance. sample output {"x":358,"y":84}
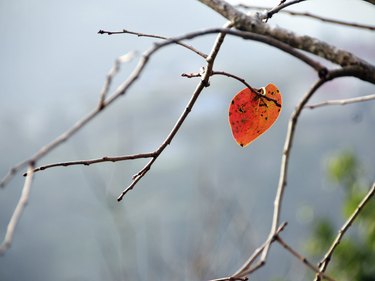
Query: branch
{"x":124,"y":31}
{"x":324,"y":263}
{"x":313,"y":16}
{"x":246,"y":268}
{"x":302,"y":258}
{"x":202,"y":84}
{"x":341,"y":102}
{"x":288,"y":146}
{"x":111,"y":74}
{"x":94,"y":161}
{"x":334,"y":21}
{"x":241,"y":21}
{"x":243,"y":81}
{"x":22,"y":202}
{"x":274,"y":43}
{"x":124,"y":87}
{"x":281,"y":6}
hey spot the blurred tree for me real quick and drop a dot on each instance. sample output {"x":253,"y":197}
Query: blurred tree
{"x":354,"y":258}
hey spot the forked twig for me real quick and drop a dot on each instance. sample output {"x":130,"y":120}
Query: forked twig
{"x":111,"y":74}
{"x":247,"y":268}
{"x":327,"y":257}
{"x":282,"y":6}
{"x":304,"y":260}
{"x":202,"y":84}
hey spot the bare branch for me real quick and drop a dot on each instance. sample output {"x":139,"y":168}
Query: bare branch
{"x":141,"y":173}
{"x":139,"y":34}
{"x":246,"y":268}
{"x":22,"y":202}
{"x":12,"y":172}
{"x":334,"y":21}
{"x":112,"y":73}
{"x":241,"y":21}
{"x":313,"y":16}
{"x":243,"y":81}
{"x":304,"y":260}
{"x":255,"y":90}
{"x":288,"y":146}
{"x":282,"y":6}
{"x":341,"y":102}
{"x":202,"y":84}
{"x":327,"y":258}
{"x":94,"y":161}
{"x":123,"y":88}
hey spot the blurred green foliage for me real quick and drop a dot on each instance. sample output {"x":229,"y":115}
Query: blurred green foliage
{"x":354,"y":258}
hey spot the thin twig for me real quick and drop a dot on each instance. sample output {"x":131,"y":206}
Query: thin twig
{"x":327,"y":257}
{"x":246,"y":268}
{"x":12,"y":172}
{"x":136,"y":178}
{"x":255,"y":90}
{"x":304,"y":260}
{"x":22,"y":202}
{"x":94,"y":161}
{"x":139,"y":34}
{"x":243,"y":81}
{"x":230,"y":278}
{"x":281,"y":6}
{"x":214,"y":72}
{"x":111,"y":74}
{"x":334,"y":21}
{"x":341,"y":101}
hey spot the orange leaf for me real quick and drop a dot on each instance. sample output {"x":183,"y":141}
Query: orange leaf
{"x":251,"y":113}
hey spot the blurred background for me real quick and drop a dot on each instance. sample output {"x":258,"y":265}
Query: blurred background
{"x":207,"y":203}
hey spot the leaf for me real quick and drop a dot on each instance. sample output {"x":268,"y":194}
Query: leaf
{"x":252,"y":113}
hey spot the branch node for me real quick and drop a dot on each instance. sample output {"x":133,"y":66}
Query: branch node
{"x":323,"y":72}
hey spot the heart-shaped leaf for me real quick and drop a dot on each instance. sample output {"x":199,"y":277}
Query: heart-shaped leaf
{"x":252,"y":113}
